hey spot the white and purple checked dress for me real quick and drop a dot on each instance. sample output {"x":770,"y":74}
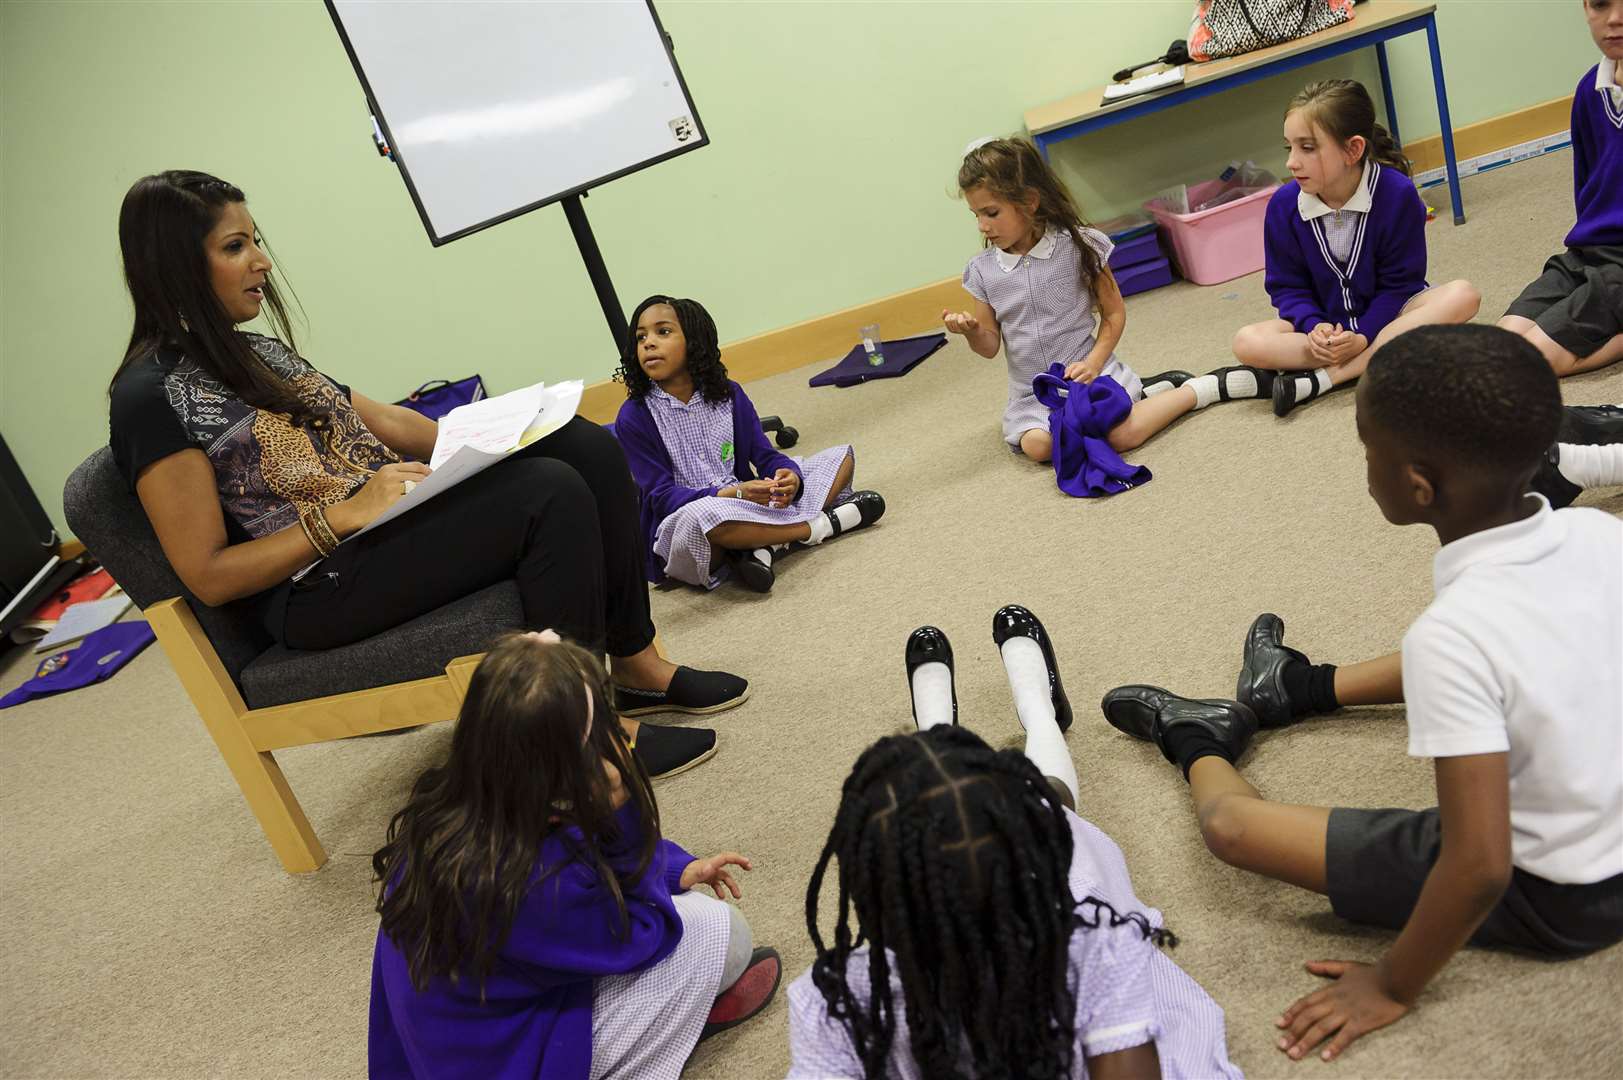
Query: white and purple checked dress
{"x":1047,"y":317}
{"x":1128,"y":992}
{"x":698,"y":435}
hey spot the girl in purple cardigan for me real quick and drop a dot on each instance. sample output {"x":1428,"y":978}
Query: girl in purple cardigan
{"x":534,"y":922}
{"x":715,"y":495}
{"x":1345,"y":242}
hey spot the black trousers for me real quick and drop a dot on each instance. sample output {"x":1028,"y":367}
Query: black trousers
{"x":559,"y":518}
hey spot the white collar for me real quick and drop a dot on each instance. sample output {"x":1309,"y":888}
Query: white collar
{"x":1606,"y":74}
{"x":1363,"y":196}
{"x":1522,"y":541}
{"x":1042,"y":249}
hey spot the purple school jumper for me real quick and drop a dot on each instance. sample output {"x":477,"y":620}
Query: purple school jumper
{"x":1387,"y":266}
{"x":682,"y":453}
{"x":1597,"y":159}
{"x":536,"y":1019}
{"x":1128,"y":992}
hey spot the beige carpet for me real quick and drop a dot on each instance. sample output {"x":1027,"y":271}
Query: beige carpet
{"x":146,"y":929}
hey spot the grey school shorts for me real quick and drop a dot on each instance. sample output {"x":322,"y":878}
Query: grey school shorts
{"x":1578,"y":300}
{"x":1375,"y":862}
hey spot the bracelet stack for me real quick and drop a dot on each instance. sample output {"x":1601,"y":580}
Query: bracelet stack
{"x":318,"y":531}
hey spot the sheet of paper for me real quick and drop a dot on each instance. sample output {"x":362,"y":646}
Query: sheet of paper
{"x":494,"y":425}
{"x":84,"y":618}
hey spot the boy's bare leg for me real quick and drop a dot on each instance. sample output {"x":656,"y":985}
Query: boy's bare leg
{"x":1373,"y":682}
{"x":1563,"y":361}
{"x":1278,"y":840}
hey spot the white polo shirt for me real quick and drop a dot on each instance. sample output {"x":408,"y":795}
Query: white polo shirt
{"x":1522,"y":651}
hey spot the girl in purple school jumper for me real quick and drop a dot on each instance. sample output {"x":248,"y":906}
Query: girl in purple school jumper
{"x":1044,"y":293}
{"x":1345,"y":242}
{"x":1001,"y":929}
{"x":715,"y":494}
{"x":534,"y":922}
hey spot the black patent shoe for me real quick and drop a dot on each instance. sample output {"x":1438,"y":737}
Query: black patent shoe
{"x":869,"y":504}
{"x":1015,"y":621}
{"x":1551,"y":483}
{"x":753,"y":568}
{"x":928,"y":645}
{"x":1174,"y":377}
{"x":1148,"y":712}
{"x":1591,"y":425}
{"x":1262,"y":673}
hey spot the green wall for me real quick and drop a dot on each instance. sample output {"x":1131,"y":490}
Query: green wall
{"x":836,"y":130}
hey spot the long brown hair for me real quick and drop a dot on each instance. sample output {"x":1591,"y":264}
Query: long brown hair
{"x":162,"y":226}
{"x":1013,"y":170}
{"x":462,"y":854}
{"x":1343,"y":108}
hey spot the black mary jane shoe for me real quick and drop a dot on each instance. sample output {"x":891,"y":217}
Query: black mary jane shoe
{"x":928,"y":645}
{"x":1175,"y":377}
{"x":1261,"y":687}
{"x":750,"y":569}
{"x":1147,"y":712}
{"x":870,"y":505}
{"x":1013,"y":620}
{"x":698,"y":693}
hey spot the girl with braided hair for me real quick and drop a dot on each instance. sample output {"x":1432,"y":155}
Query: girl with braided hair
{"x":715,"y":495}
{"x":995,"y":932}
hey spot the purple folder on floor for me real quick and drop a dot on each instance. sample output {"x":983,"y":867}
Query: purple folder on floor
{"x":901,"y":356}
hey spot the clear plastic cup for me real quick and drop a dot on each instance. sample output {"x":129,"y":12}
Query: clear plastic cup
{"x":873,"y":344}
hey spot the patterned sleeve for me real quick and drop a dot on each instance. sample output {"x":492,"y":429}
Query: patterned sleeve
{"x":1100,"y":243}
{"x":1115,"y":1000}
{"x":819,"y":1047}
{"x":972,"y":282}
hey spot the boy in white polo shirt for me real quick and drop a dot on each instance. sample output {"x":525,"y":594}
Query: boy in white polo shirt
{"x":1514,"y":686}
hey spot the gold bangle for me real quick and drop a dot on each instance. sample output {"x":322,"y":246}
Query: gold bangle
{"x":318,"y":532}
{"x":324,"y":529}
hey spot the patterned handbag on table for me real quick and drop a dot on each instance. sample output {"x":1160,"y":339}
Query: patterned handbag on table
{"x":1231,"y":27}
{"x":439,"y":396}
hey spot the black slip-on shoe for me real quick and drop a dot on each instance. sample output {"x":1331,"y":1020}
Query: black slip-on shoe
{"x":698,"y":693}
{"x":1176,"y":377}
{"x":666,"y":751}
{"x":869,"y":504}
{"x":1285,"y":393}
{"x":928,"y":645}
{"x":747,"y":997}
{"x":1591,"y":425}
{"x":1262,"y":672}
{"x":1549,"y":481}
{"x":753,"y":568}
{"x":1264,"y":376}
{"x":1147,"y":712}
{"x":1015,"y":621}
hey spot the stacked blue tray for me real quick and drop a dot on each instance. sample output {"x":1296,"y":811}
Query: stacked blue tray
{"x":1138,"y":261}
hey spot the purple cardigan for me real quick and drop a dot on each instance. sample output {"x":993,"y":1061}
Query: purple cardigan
{"x":1597,"y":166}
{"x":650,"y":462}
{"x":536,"y":1020}
{"x":1386,"y":268}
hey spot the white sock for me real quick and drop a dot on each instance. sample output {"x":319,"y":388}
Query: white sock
{"x":1305,"y":384}
{"x":1206,"y":390}
{"x":1034,"y":704}
{"x":1241,"y":384}
{"x":821,"y":529}
{"x":1592,"y":466}
{"x":762,"y":556}
{"x":850,"y":515}
{"x":932,"y":694}
{"x":1151,"y":389}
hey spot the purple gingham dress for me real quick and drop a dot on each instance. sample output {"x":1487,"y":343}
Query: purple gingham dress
{"x":698,"y":435}
{"x":646,"y":1023}
{"x":1128,"y":992}
{"x":1047,"y":317}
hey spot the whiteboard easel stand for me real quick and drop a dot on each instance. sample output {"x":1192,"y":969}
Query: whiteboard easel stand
{"x":595,"y":269}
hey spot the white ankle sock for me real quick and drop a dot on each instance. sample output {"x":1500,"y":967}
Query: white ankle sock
{"x":1206,"y":390}
{"x":1592,"y":466}
{"x":762,"y":556}
{"x":1034,"y":704}
{"x":821,"y":529}
{"x":1151,"y":389}
{"x":1305,"y":384}
{"x":1240,"y":384}
{"x":932,"y":694}
{"x":850,"y":515}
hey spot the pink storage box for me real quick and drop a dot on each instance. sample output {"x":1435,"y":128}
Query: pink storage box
{"x":1218,"y":244}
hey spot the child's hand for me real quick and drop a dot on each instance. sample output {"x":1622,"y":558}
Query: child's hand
{"x":713,"y":872}
{"x":1356,"y":1004}
{"x":756,"y":491}
{"x":1084,"y":370}
{"x":1318,"y":344}
{"x":960,"y":322}
{"x":785,"y":486}
{"x":1345,"y":345}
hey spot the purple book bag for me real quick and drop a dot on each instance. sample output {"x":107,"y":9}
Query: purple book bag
{"x":439,"y":396}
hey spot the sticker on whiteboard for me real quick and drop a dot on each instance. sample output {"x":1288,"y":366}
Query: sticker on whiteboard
{"x":682,"y":128}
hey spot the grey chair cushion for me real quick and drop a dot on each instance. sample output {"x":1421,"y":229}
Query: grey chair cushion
{"x":112,"y":525}
{"x":417,"y":649}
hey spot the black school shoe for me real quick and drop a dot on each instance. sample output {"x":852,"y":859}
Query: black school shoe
{"x":1549,"y":481}
{"x":1285,"y":394}
{"x":753,"y":568}
{"x":1175,"y":377}
{"x":1015,"y":621}
{"x":870,"y":504}
{"x":1591,"y":425}
{"x":1262,"y":672}
{"x":698,"y":693}
{"x":666,"y":751}
{"x":1147,"y":712}
{"x":928,"y":645}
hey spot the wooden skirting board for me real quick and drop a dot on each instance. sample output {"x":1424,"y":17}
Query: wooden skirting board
{"x":1495,"y":133}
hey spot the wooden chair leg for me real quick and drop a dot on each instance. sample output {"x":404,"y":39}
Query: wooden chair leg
{"x":215,"y":696}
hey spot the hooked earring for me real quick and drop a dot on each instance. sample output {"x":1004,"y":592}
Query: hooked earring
{"x":184,"y":325}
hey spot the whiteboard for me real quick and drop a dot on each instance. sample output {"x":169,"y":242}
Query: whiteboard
{"x":493,"y":108}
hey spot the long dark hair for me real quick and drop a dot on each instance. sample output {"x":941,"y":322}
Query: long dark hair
{"x":956,"y":859}
{"x":704,"y":352}
{"x":162,"y":226}
{"x":1012,"y":169}
{"x":1343,"y":108}
{"x":461,"y":855}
